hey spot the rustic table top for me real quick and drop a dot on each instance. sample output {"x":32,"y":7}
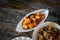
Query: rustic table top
{"x":9,"y":19}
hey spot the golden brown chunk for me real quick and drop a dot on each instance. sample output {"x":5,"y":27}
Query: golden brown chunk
{"x":32,"y":16}
{"x":33,"y":19}
{"x":40,"y":37}
{"x":25,"y":18}
{"x":27,"y":21}
{"x":25,"y":26}
{"x":30,"y":26}
{"x":34,"y":24}
{"x":37,"y":17}
{"x":45,"y":33}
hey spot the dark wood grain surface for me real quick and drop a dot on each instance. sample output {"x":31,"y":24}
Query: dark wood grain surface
{"x":11,"y":14}
{"x":9,"y":19}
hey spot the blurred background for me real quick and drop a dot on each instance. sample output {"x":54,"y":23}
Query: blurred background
{"x":11,"y":12}
{"x":28,"y":4}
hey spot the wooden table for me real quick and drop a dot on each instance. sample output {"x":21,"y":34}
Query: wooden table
{"x":9,"y":19}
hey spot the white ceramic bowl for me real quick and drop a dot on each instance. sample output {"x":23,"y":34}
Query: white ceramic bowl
{"x":34,"y":35}
{"x":22,"y":38}
{"x":19,"y":26}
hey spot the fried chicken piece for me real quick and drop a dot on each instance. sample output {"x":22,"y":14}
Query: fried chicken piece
{"x":33,"y":19}
{"x":25,"y":18}
{"x":30,"y":26}
{"x":25,"y":26}
{"x":34,"y":24}
{"x":27,"y":21}
{"x":40,"y":37}
{"x":37,"y":17}
{"x":32,"y":16}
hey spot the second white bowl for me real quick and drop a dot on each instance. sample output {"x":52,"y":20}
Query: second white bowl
{"x":34,"y":35}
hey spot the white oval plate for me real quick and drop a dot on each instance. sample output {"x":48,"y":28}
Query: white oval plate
{"x":19,"y":26}
{"x":34,"y":35}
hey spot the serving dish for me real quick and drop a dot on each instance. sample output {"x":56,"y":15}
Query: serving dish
{"x":34,"y":35}
{"x":19,"y":26}
{"x":22,"y":38}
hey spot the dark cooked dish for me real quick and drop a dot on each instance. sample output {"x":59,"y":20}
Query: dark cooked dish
{"x":48,"y":33}
{"x":32,"y":20}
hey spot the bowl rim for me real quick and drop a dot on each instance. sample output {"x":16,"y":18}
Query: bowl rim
{"x":35,"y":32}
{"x":20,"y":22}
{"x":22,"y":37}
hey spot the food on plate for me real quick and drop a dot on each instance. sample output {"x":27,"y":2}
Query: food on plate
{"x":48,"y":33}
{"x":32,"y":20}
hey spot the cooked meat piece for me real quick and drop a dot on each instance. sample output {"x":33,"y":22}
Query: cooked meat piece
{"x":30,"y":26}
{"x":25,"y":26}
{"x":45,"y":33}
{"x":41,"y":37}
{"x":34,"y":24}
{"x":37,"y":17}
{"x":32,"y":16}
{"x":25,"y":18}
{"x":27,"y":21}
